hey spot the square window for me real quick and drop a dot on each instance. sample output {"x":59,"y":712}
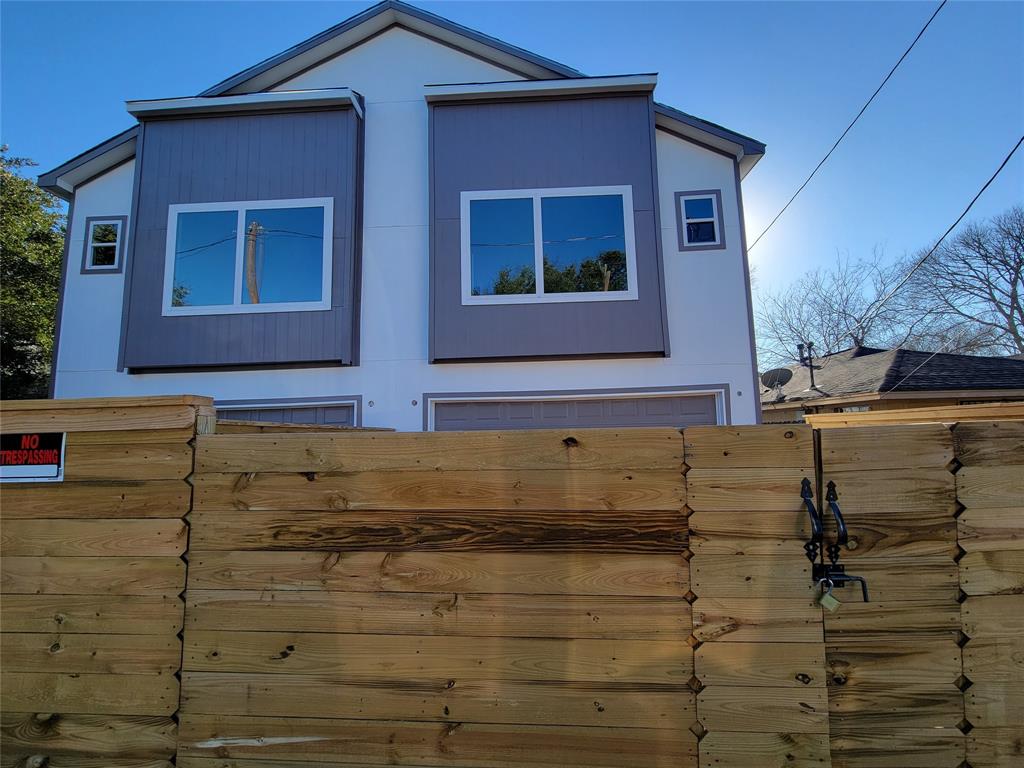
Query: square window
{"x":699,"y":220}
{"x":578,"y":240}
{"x":103,"y":245}
{"x":260,"y":256}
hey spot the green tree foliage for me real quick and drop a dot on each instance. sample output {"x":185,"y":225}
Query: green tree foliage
{"x":524,"y":281}
{"x":605,"y":273}
{"x":31,"y":244}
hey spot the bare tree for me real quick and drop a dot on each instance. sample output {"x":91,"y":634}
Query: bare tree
{"x":833,"y":307}
{"x":977,"y":279}
{"x":966,"y":298}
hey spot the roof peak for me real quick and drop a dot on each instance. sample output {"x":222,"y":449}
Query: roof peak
{"x":355,"y":30}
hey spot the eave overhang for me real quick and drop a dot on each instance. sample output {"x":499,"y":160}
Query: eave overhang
{"x":513,"y":89}
{"x":250,"y":102}
{"x":62,"y":180}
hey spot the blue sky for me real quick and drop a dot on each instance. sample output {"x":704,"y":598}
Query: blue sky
{"x":789,"y":74}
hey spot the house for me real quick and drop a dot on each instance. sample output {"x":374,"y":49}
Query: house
{"x":403,"y":222}
{"x":868,"y":379}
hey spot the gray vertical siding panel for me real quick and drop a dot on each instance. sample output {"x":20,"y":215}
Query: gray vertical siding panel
{"x":233,"y":158}
{"x":594,"y":141}
{"x":132,"y":238}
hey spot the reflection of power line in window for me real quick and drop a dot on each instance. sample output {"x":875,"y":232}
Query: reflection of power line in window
{"x":187,"y":252}
{"x":548,"y":242}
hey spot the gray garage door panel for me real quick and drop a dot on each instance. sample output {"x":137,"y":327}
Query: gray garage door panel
{"x":662,"y":411}
{"x":330,"y":415}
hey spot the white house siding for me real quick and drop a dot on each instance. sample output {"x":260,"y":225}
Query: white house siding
{"x":90,"y":326}
{"x":705,"y":290}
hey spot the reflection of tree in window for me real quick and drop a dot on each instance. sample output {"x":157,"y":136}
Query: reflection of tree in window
{"x":605,"y":273}
{"x":179,"y":295}
{"x":523,"y":281}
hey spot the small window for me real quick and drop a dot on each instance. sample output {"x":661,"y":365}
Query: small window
{"x":699,"y":220}
{"x":104,"y":244}
{"x":548,"y":245}
{"x":265,"y":256}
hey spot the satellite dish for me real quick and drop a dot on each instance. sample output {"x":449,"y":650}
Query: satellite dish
{"x":776,"y":377}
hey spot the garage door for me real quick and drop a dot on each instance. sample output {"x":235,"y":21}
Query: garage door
{"x":660,"y":411}
{"x":342,"y":415}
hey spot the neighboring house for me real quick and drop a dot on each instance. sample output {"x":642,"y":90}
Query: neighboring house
{"x":868,"y":379}
{"x":402,"y":222}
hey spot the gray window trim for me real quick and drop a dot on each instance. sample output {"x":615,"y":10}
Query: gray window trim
{"x":356,"y":401}
{"x":122,"y":238}
{"x":720,"y":391}
{"x":680,"y":222}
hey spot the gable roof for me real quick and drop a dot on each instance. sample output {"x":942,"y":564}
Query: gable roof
{"x":867,"y":370}
{"x":276,"y":69}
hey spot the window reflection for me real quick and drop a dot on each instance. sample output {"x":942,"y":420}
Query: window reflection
{"x":502,"y":247}
{"x":283,"y":256}
{"x":584,"y":244}
{"x":204,"y":259}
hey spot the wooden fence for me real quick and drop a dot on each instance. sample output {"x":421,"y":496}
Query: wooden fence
{"x":90,"y":584}
{"x":510,"y":599}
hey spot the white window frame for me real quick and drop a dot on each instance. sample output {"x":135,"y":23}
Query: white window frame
{"x":625,"y":191}
{"x":715,"y":219}
{"x":90,"y":266}
{"x":241,"y":207}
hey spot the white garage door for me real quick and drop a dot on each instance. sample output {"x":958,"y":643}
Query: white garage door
{"x":655,"y":411}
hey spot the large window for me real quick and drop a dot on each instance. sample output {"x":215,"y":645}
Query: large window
{"x":263,"y":256}
{"x":548,"y":245}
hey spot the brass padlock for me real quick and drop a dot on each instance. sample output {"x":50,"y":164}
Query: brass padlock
{"x":826,"y":599}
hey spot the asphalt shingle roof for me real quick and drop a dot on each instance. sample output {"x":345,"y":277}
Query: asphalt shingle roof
{"x":863,"y":370}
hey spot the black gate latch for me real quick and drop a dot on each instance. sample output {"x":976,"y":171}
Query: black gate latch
{"x":830,"y":572}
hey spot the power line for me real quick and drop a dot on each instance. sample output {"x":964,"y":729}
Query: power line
{"x":920,"y":262}
{"x":872,"y":311}
{"x":852,"y":123}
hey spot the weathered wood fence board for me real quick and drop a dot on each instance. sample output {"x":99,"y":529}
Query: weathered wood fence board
{"x":500,"y":598}
{"x":893,"y":663}
{"x":990,"y":486}
{"x":759,"y":657}
{"x":91,"y":574}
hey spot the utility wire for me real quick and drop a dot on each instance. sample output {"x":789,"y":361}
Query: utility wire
{"x":920,"y":262}
{"x":872,"y":311}
{"x":852,"y":123}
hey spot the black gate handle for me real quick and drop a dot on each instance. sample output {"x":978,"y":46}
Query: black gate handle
{"x":813,"y":545}
{"x":842,"y":535}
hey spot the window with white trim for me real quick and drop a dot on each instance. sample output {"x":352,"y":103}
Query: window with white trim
{"x":103,"y":245}
{"x":579,"y":240}
{"x":699,"y":219}
{"x":256,"y":256}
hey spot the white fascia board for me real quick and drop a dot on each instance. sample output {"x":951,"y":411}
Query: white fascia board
{"x":525,"y":88}
{"x":246,"y":102}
